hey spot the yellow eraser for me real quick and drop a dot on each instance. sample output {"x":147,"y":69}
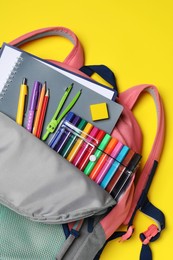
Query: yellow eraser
{"x":99,"y":111}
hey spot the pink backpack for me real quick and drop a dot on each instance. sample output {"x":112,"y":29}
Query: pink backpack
{"x":96,"y":231}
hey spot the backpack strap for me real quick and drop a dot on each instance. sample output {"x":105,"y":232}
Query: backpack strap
{"x":153,"y":232}
{"x":141,"y":201}
{"x":115,"y":235}
{"x":130,"y":97}
{"x":74,"y":233}
{"x":76,"y":56}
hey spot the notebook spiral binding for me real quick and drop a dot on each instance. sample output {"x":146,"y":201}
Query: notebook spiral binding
{"x":11,"y":77}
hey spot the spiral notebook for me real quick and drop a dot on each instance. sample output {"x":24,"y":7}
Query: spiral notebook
{"x":16,"y":64}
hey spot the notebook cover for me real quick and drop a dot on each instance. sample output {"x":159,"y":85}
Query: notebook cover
{"x":34,"y":68}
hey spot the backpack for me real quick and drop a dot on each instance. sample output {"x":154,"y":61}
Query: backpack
{"x":82,"y":233}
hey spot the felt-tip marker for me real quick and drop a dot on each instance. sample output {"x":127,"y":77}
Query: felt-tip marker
{"x":95,"y":157}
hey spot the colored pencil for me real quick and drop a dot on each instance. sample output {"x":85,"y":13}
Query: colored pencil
{"x":42,"y":114}
{"x":38,"y":112}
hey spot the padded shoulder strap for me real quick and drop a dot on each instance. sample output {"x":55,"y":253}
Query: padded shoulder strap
{"x":76,"y":56}
{"x":130,"y":97}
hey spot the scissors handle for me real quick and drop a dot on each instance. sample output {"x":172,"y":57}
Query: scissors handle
{"x":50,"y":128}
{"x":55,"y":122}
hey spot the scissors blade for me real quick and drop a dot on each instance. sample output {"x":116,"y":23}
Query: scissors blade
{"x":54,"y":122}
{"x":62,"y":101}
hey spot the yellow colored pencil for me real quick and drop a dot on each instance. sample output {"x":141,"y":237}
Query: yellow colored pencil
{"x":40,"y":103}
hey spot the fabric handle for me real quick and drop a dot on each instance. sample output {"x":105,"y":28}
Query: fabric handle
{"x":75,"y":57}
{"x":103,"y":71}
{"x":130,"y":98}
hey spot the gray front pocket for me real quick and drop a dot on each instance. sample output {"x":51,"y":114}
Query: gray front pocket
{"x":38,"y":183}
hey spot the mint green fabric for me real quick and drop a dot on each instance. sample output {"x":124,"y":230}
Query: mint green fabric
{"x":23,"y":239}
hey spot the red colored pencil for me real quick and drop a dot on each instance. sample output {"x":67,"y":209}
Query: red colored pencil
{"x":42,"y":114}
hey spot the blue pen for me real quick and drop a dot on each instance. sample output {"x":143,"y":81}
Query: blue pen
{"x":56,"y":137}
{"x":114,"y":166}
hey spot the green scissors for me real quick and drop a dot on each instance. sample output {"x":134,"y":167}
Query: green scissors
{"x":51,"y":127}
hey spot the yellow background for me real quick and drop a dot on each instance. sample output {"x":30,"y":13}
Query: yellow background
{"x":135,"y":39}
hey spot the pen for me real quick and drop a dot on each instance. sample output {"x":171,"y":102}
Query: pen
{"x":122,"y":182}
{"x":66,"y":135}
{"x":21,"y":102}
{"x":72,"y":139}
{"x":109,"y":162}
{"x":91,"y":149}
{"x":42,"y":114}
{"x":114,"y":166}
{"x":119,"y":171}
{"x":33,"y":105}
{"x":40,"y":103}
{"x":102,"y":160}
{"x":115,"y":178}
{"x":79,"y":142}
{"x":97,"y":154}
{"x":57,"y":135}
{"x":85,"y":145}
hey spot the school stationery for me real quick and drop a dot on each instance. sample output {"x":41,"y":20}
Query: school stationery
{"x":120,"y":170}
{"x":79,"y":142}
{"x":33,"y":68}
{"x":39,"y":109}
{"x":109,"y":162}
{"x":33,"y":105}
{"x":103,"y":159}
{"x":125,"y":177}
{"x":22,"y":102}
{"x":51,"y":127}
{"x":66,"y":135}
{"x":114,"y":167}
{"x":42,"y":114}
{"x":99,"y":111}
{"x":97,"y":154}
{"x":112,"y":161}
{"x":88,"y":154}
{"x":55,"y":138}
{"x":65,"y":150}
{"x":86,"y":144}
{"x":52,"y":191}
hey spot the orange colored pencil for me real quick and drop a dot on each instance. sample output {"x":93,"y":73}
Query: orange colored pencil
{"x":40,"y":104}
{"x":42,"y":114}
